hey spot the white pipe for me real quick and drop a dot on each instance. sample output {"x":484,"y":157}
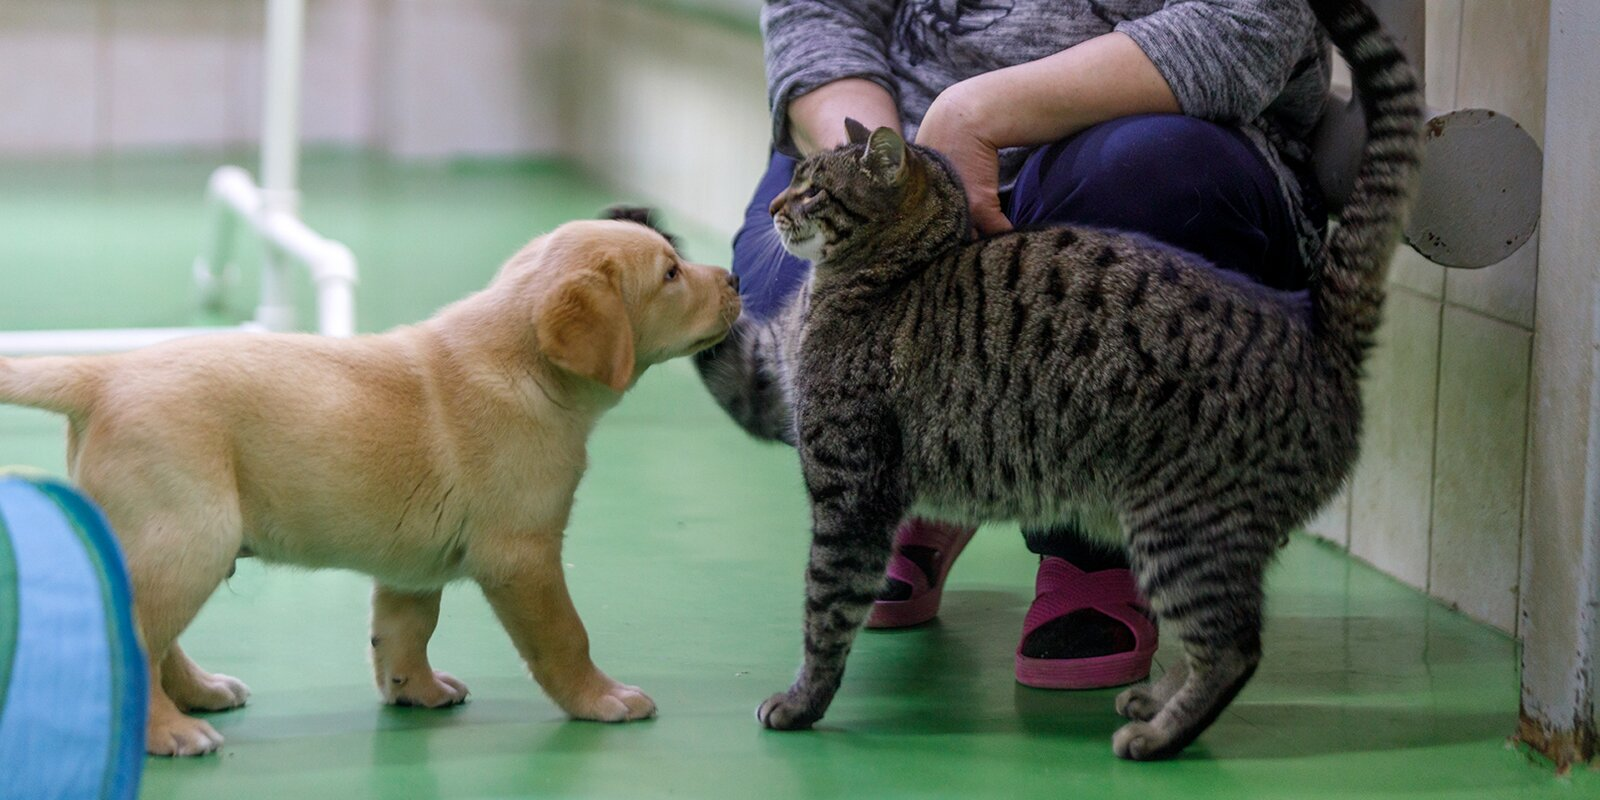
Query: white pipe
{"x":280,"y":155}
{"x":336,"y":307}
{"x":331,"y":265}
{"x":231,"y":196}
{"x":325,"y":259}
{"x":66,"y":343}
{"x":270,"y":212}
{"x":217,"y":248}
{"x":280,"y":118}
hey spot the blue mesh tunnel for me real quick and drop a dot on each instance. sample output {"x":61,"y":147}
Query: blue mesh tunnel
{"x":73,"y":680}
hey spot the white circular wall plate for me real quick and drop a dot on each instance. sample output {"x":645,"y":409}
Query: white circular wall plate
{"x":1480,"y":189}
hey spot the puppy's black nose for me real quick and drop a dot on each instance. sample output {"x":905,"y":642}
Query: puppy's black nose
{"x":733,"y":280}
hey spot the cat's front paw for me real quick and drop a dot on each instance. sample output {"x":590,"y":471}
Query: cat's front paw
{"x":1141,"y":741}
{"x":786,"y":711}
{"x":1138,"y":704}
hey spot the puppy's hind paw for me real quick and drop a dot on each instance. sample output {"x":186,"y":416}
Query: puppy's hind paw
{"x":211,"y":693}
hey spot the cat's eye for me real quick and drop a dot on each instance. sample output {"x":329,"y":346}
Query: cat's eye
{"x":672,"y":274}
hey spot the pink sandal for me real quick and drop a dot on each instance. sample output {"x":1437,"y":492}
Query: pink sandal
{"x":1061,"y":589}
{"x":941,"y":544}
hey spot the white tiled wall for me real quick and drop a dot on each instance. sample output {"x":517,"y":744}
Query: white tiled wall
{"x":1479,"y":463}
{"x":1392,"y":491}
{"x":479,"y":77}
{"x":420,"y":78}
{"x":1502,"y":67}
{"x":50,"y":76}
{"x":1333,"y":522}
{"x":667,"y":105}
{"x":672,"y":107}
{"x":340,"y":70}
{"x":1438,"y":497}
{"x":168,"y":73}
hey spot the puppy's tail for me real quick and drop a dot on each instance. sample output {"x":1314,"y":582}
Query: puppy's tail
{"x":65,"y":385}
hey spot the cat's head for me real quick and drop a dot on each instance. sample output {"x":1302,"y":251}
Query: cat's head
{"x":874,"y":195}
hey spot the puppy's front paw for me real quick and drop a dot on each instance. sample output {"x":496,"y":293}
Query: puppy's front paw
{"x":438,"y":690}
{"x":178,"y":735}
{"x":785,"y":711}
{"x":1137,"y":703}
{"x":617,"y":702}
{"x":211,"y":693}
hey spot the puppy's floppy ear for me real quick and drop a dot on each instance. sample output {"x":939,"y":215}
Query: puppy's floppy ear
{"x":583,"y":328}
{"x":854,"y":131}
{"x":885,"y":157}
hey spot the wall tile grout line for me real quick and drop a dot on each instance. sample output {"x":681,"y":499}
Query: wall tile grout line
{"x":1433,"y":465}
{"x":1481,"y":312}
{"x":100,"y":137}
{"x":1527,"y":486}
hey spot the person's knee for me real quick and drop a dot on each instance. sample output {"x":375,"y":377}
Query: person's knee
{"x":1125,"y":173}
{"x":1158,"y":175}
{"x":1154,"y":145}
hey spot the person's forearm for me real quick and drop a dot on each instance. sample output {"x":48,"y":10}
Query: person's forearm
{"x":1054,"y":97}
{"x":816,"y":118}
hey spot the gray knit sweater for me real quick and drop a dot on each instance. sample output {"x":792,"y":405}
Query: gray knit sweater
{"x":1261,"y":65}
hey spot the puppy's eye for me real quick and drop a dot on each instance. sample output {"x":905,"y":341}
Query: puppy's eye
{"x":672,"y":274}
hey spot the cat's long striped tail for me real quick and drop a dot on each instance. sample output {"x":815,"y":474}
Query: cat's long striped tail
{"x":1347,"y":295}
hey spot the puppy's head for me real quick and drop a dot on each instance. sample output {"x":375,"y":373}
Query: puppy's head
{"x":612,"y":297}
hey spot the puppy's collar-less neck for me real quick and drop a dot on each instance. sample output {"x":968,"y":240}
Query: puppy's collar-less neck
{"x":574,"y":394}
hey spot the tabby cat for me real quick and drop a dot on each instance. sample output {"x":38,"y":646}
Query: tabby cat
{"x":1033,"y":375}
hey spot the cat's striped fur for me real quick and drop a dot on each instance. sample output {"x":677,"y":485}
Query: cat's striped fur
{"x":1034,"y":375}
{"x":750,"y":373}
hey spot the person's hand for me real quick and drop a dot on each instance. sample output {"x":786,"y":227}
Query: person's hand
{"x":954,"y":125}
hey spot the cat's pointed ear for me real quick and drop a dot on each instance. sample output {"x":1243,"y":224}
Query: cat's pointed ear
{"x":855,"y":131}
{"x":885,"y":158}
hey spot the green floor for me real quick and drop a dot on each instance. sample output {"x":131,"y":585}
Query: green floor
{"x":685,"y":560}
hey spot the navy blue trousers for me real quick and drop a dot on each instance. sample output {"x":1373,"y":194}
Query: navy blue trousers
{"x":1183,"y":181}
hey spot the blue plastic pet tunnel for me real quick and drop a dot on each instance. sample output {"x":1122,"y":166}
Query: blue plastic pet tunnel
{"x":73,"y":681}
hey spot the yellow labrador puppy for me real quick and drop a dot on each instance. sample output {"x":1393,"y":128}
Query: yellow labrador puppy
{"x":440,"y":451}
